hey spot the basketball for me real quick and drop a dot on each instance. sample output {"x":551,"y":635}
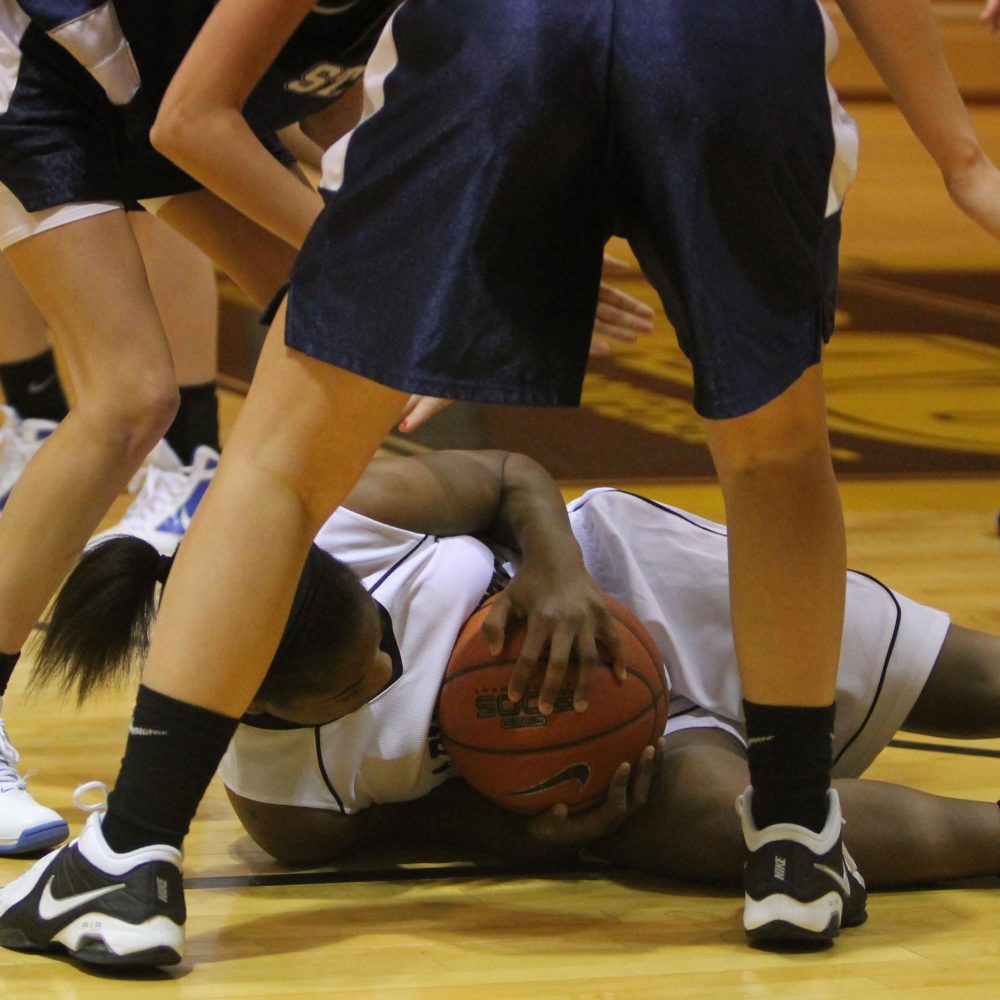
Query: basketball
{"x":526,"y":761}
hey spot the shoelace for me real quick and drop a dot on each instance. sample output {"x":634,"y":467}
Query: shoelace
{"x":162,"y":491}
{"x":9,"y":778}
{"x":91,"y":786}
{"x":14,"y":454}
{"x":18,"y":444}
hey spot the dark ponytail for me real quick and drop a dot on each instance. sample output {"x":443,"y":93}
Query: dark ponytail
{"x":98,"y":629}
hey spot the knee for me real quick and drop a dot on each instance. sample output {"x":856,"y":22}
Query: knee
{"x":783,"y":437}
{"x":786,"y":467}
{"x":133,"y":414}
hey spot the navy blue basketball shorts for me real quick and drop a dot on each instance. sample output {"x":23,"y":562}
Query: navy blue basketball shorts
{"x":504,"y":141}
{"x":67,"y":152}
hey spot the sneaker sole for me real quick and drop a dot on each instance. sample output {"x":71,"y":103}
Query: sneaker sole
{"x":779,"y":933}
{"x":780,"y":919}
{"x":101,"y":940}
{"x":38,"y":838}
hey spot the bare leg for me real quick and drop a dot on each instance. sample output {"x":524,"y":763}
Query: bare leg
{"x":786,"y":545}
{"x":961,"y":698}
{"x":254,"y":258}
{"x":182,"y":279}
{"x":89,"y":281}
{"x":303,"y":437}
{"x":23,"y":331}
{"x":898,"y":835}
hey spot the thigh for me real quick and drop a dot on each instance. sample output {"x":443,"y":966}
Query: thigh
{"x":89,"y":281}
{"x":460,"y":247}
{"x":725,"y":149}
{"x":255,"y":259}
{"x":17,"y":223}
{"x":689,"y":829}
{"x":962,"y":695}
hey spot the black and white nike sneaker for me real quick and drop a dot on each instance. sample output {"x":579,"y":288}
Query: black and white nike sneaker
{"x":102,"y":907}
{"x":800,"y":886}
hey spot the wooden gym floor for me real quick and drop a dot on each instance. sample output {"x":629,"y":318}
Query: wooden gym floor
{"x":914,"y":385}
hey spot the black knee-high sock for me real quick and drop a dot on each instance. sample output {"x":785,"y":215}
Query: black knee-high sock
{"x":172,"y":752}
{"x":32,"y":387}
{"x":197,"y":421}
{"x":7,"y":663}
{"x":790,"y":753}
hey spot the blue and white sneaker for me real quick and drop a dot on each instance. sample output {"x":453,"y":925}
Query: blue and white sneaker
{"x":25,"y":825}
{"x":102,"y":907}
{"x":168,"y":494}
{"x":800,"y":887}
{"x":19,"y":440}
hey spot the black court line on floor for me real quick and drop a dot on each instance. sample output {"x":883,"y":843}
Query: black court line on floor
{"x":462,"y":870}
{"x":945,"y":748}
{"x":421,"y":873}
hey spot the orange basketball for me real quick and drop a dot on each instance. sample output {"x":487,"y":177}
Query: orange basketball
{"x":527,"y":761}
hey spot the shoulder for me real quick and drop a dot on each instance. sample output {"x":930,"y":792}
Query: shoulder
{"x":297,"y":835}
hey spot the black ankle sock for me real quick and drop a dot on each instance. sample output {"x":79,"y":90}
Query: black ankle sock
{"x":32,"y":388}
{"x":197,"y":421}
{"x":7,"y":663}
{"x":172,"y":752}
{"x":790,"y":754}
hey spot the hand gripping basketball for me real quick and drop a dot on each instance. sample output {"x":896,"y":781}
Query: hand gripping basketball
{"x":526,"y":761}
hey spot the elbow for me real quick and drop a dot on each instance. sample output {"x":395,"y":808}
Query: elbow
{"x":170,"y":131}
{"x":163,"y":134}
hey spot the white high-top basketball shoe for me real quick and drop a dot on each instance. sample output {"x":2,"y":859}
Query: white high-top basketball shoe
{"x":25,"y":825}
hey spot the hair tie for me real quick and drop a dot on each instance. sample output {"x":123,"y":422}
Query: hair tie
{"x":163,"y":564}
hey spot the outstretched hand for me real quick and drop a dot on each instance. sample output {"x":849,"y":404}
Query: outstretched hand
{"x":620,"y":316}
{"x":628,"y":792}
{"x":566,"y":618}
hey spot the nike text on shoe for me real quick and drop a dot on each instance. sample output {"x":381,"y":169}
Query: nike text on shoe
{"x":102,"y":907}
{"x":19,"y":440}
{"x":25,"y":825}
{"x":169,"y":494}
{"x":800,"y":887}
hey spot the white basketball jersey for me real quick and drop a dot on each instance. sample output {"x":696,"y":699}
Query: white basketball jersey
{"x":386,"y":751}
{"x":669,"y":566}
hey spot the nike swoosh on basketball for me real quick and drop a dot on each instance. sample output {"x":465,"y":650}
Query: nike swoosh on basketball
{"x":575,"y":772}
{"x":50,"y":908}
{"x":842,"y":880}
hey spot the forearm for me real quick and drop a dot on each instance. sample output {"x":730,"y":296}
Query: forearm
{"x":531,"y":515}
{"x":200,"y":125}
{"x":220,"y":151}
{"x":901,"y":39}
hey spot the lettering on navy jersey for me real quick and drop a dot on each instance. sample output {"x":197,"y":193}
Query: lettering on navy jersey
{"x":326,"y":80}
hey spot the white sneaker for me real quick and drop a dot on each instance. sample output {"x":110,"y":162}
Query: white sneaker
{"x":25,"y":826}
{"x":799,"y":886}
{"x":168,"y":494}
{"x":19,"y":440}
{"x":103,"y":907}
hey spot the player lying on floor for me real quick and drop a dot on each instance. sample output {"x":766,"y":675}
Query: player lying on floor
{"x":342,"y":751}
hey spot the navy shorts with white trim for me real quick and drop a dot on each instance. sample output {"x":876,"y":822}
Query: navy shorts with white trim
{"x":459,"y":251}
{"x":62,"y":141}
